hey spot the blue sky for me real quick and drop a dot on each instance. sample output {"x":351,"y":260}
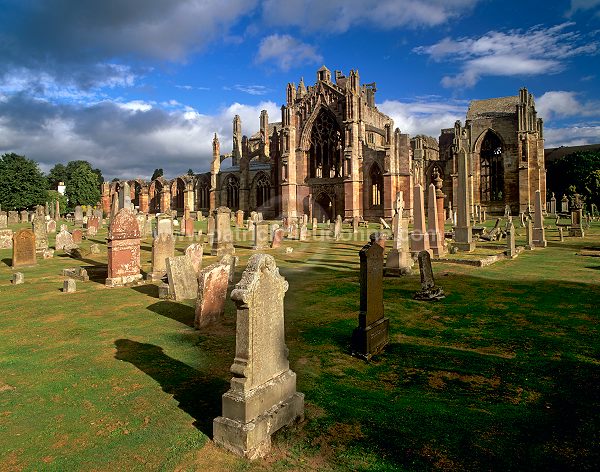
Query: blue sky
{"x":132,"y":85}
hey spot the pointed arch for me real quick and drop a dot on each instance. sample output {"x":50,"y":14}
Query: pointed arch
{"x":232,"y":189}
{"x":262,"y":189}
{"x":490,"y":150}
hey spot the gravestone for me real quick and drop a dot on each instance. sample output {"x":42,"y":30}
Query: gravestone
{"x":436,"y":235}
{"x":51,"y":226}
{"x":564,"y":204}
{"x":463,"y":234}
{"x":77,"y":236}
{"x":3,"y":221}
{"x":262,"y":397}
{"x":141,"y":220}
{"x":576,"y":228}
{"x":222,"y":241}
{"x":69,"y":286}
{"x":539,"y":235}
{"x":511,"y":250}
{"x":428,"y":291}
{"x":561,"y":234}
{"x":355,"y":221}
{"x":18,"y":278}
{"x":23,"y":248}
{"x":399,"y":261}
{"x":13,"y":217}
{"x":164,"y":226}
{"x":337,"y":228}
{"x":419,"y":239}
{"x":529,"y":234}
{"x":41,"y":236}
{"x":210,"y":231}
{"x":277,"y":238}
{"x":163,"y":246}
{"x":195,"y":252}
{"x":239,"y":218}
{"x":123,"y":249}
{"x":78,"y":273}
{"x":24,"y":216}
{"x":372,"y":333}
{"x":78,"y":215}
{"x":384,"y":223}
{"x":64,"y":239}
{"x":212,"y":292}
{"x":183,"y":281}
{"x":6,"y":238}
{"x":303,"y":232}
{"x":93,"y":225}
{"x":261,"y":236}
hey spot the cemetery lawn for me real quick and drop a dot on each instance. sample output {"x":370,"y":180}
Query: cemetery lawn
{"x":503,"y":374}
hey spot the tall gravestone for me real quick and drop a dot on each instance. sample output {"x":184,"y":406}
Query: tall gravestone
{"x":419,"y":239}
{"x":222,"y":241}
{"x":263,"y":397}
{"x":78,"y":215}
{"x":372,"y":333}
{"x":539,"y":235}
{"x":399,"y":261}
{"x":210,"y":230}
{"x":429,"y":291}
{"x":3,"y":221}
{"x":436,"y":237}
{"x":23,"y":248}
{"x":163,"y":247}
{"x":278,"y":235}
{"x":576,"y":228}
{"x":183,"y":281}
{"x":261,"y":236}
{"x":511,"y":250}
{"x":463,"y":233}
{"x":337,"y":228}
{"x":123,"y":249}
{"x":41,"y":234}
{"x":212,"y":292}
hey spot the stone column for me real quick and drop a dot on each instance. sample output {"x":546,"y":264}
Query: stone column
{"x":463,"y":235}
{"x":539,"y":237}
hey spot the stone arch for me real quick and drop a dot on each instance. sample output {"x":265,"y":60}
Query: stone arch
{"x":488,"y":168}
{"x":324,"y":206}
{"x":178,"y":186}
{"x":230,"y":192}
{"x":261,"y":191}
{"x":375,"y":187}
{"x":154,"y":190}
{"x":203,"y":193}
{"x":325,"y":146}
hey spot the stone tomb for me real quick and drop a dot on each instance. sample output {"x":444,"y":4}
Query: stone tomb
{"x":123,"y":249}
{"x":372,"y":333}
{"x":262,"y":397}
{"x":212,"y":292}
{"x":428,"y":289}
{"x":183,"y":279}
{"x":23,"y":248}
{"x":163,"y":246}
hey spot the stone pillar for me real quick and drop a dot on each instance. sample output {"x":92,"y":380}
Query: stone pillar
{"x":436,"y":240}
{"x":463,"y":235}
{"x":419,"y":239}
{"x":262,"y":397}
{"x":372,"y":333}
{"x":165,"y":199}
{"x":143,"y":199}
{"x":539,"y":237}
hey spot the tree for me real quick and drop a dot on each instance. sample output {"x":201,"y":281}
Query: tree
{"x":72,"y":165}
{"x":82,"y":187}
{"x":190,"y":172}
{"x":53,"y":196}
{"x":23,"y":183}
{"x":156,"y":174}
{"x":57,"y":174}
{"x":578,"y":172}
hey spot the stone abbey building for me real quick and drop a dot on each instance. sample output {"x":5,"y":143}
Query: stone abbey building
{"x":334,"y":153}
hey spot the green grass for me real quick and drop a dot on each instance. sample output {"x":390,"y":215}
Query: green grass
{"x":503,"y":374}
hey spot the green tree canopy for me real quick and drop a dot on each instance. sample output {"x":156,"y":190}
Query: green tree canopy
{"x":190,"y":172}
{"x":83,"y":187}
{"x":23,"y":183}
{"x":53,"y":196}
{"x":578,"y":172}
{"x":157,"y":173}
{"x":57,"y":174}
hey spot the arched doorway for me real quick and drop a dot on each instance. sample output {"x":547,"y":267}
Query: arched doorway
{"x":323,"y":207}
{"x":491,"y":169}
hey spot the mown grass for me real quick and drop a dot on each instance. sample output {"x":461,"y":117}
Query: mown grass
{"x":503,"y":374}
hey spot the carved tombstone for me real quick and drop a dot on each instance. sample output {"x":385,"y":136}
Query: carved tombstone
{"x":399,"y":261}
{"x":6,"y":239}
{"x":163,"y":247}
{"x":123,"y":249}
{"x":78,"y":215}
{"x":428,"y":289}
{"x":77,"y":236}
{"x":3,"y":221}
{"x":212,"y":292}
{"x":51,"y":226}
{"x":277,"y":238}
{"x":183,"y":281}
{"x":261,"y":236}
{"x":511,"y":250}
{"x":222,"y":240}
{"x":23,"y":248}
{"x":64,"y":239}
{"x":372,"y":333}
{"x":262,"y":397}
{"x":41,"y":235}
{"x":164,"y":226}
{"x":195,"y":252}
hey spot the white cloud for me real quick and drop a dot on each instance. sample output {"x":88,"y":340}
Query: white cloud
{"x":561,"y":104}
{"x":135,"y":105}
{"x":583,"y":5}
{"x":424,"y":116}
{"x":338,"y":16}
{"x":252,"y":89}
{"x":286,"y":51}
{"x":538,"y":50}
{"x":576,"y":135}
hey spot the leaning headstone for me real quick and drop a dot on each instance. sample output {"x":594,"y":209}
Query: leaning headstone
{"x":23,"y":248}
{"x":222,"y":241}
{"x":123,"y":249}
{"x":261,"y":236}
{"x":183,"y":281}
{"x":277,"y":238}
{"x":6,"y":238}
{"x":195,"y":252}
{"x":428,"y":291}
{"x":262,"y":398}
{"x":384,"y":223}
{"x":212,"y":292}
{"x":17,"y":278}
{"x":372,"y":333}
{"x":163,"y":247}
{"x":69,"y":286}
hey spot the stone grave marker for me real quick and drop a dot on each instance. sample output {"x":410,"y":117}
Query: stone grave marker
{"x":303,"y":232}
{"x":183,"y":279}
{"x":539,"y":235}
{"x":64,"y":239}
{"x":195,"y":252}
{"x":24,"y":216}
{"x":212,"y":292}
{"x":3,"y":221}
{"x":41,"y":236}
{"x":69,"y":286}
{"x":13,"y":217}
{"x":78,"y":215}
{"x":428,"y":291}
{"x":372,"y":333}
{"x":23,"y":248}
{"x":262,"y":397}
{"x":51,"y":226}
{"x":164,"y":226}
{"x":17,"y":278}
{"x":123,"y":249}
{"x":511,"y":249}
{"x":222,"y":241}
{"x":163,"y":247}
{"x":399,"y":261}
{"x":277,"y":238}
{"x":77,"y":236}
{"x":6,"y":238}
{"x":261,"y":236}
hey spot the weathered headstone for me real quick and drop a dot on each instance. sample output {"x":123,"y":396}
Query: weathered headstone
{"x":6,"y":238}
{"x":337,"y":228}
{"x":24,"y":216}
{"x":384,"y":223}
{"x":210,"y":231}
{"x":428,"y":291}
{"x":183,"y":281}
{"x":223,"y":241}
{"x":564,"y":204}
{"x":17,"y":278}
{"x":23,"y":248}
{"x":355,"y":221}
{"x":123,"y":249}
{"x":372,"y":333}
{"x":262,"y":397}
{"x":463,"y":234}
{"x":436,"y":235}
{"x":303,"y":232}
{"x":212,"y":292}
{"x":277,"y":238}
{"x":419,"y":239}
{"x":78,"y":273}
{"x":239,"y":218}
{"x":163,"y":247}
{"x":261,"y":236}
{"x":399,"y":261}
{"x":195,"y":252}
{"x":13,"y":217}
{"x":51,"y":226}
{"x":77,"y":236}
{"x":511,"y":250}
{"x":164,"y":225}
{"x":69,"y":286}
{"x":141,"y":220}
{"x":64,"y":239}
{"x":3,"y":221}
{"x":78,"y":215}
{"x":41,"y":235}
{"x":539,"y":235}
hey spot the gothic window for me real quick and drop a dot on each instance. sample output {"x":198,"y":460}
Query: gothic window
{"x":233,"y":193}
{"x":326,"y":147}
{"x":491,"y":169}
{"x":203,"y":193}
{"x":263,"y":191}
{"x":376,"y":178}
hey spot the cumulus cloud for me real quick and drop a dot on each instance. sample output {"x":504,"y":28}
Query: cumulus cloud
{"x":539,"y":50}
{"x":338,"y":16}
{"x":584,"y":5}
{"x":285,"y":51}
{"x":575,"y":135}
{"x":424,"y":116}
{"x":124,"y":139}
{"x":561,"y":104}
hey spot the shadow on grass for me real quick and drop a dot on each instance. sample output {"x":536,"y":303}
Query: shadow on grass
{"x":198,"y":395}
{"x":149,"y":289}
{"x":176,"y":311}
{"x":7,"y":261}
